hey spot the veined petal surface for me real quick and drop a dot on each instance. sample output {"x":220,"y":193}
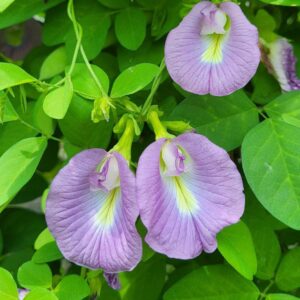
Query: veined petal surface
{"x":213,"y":62}
{"x":95,"y":227}
{"x":184,"y":213}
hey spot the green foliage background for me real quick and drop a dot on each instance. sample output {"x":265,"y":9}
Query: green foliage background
{"x":47,"y":95}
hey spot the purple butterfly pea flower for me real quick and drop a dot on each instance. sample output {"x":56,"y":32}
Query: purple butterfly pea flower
{"x":213,"y":50}
{"x":188,"y":190}
{"x":112,"y":280}
{"x":281,"y":62}
{"x":91,"y":211}
{"x":22,"y":293}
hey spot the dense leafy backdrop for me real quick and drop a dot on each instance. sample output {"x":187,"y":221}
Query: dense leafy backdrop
{"x":42,"y":128}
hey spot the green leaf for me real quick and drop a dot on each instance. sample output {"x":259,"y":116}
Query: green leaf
{"x":130,"y":27}
{"x":1,"y":242}
{"x":281,"y":297}
{"x":57,"y":102}
{"x":8,"y":287}
{"x":286,"y":108}
{"x":282,"y":2}
{"x":217,"y":282}
{"x":12,"y":75}
{"x":40,"y":294}
{"x":115,"y":4}
{"x":85,"y":85}
{"x":134,"y":79}
{"x":44,"y":238}
{"x":146,"y":279}
{"x":31,"y":275}
{"x":18,"y":164}
{"x":13,"y":132}
{"x":267,"y":249}
{"x":288,"y":273}
{"x":21,"y":10}
{"x":47,"y":253}
{"x":150,"y":52}
{"x":5,"y":4}
{"x":80,"y":131}
{"x":266,"y":87}
{"x":256,"y":215}
{"x":57,"y":26}
{"x":40,"y":120}
{"x":7,"y":111}
{"x":266,"y":25}
{"x":72,"y":287}
{"x":54,"y":64}
{"x":270,"y":156}
{"x":224,"y":120}
{"x":236,"y":245}
{"x":165,"y":17}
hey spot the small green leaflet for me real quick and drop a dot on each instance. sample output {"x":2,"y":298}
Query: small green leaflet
{"x":12,"y":75}
{"x":57,"y":102}
{"x":288,"y":273}
{"x":40,"y":294}
{"x":130,"y":27}
{"x":72,"y":287}
{"x":7,"y":111}
{"x":21,"y":10}
{"x":18,"y":164}
{"x":84,"y":84}
{"x":8,"y":287}
{"x":236,"y":245}
{"x":54,"y":64}
{"x":283,"y":2}
{"x":267,"y":249}
{"x":134,"y":79}
{"x":47,"y":253}
{"x":4,"y":4}
{"x":31,"y":275}
{"x":286,"y":108}
{"x":44,"y":238}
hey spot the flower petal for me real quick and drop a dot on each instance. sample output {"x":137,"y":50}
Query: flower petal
{"x":216,"y":64}
{"x":112,"y":280}
{"x":183,"y":214}
{"x":281,"y":61}
{"x":93,"y":227}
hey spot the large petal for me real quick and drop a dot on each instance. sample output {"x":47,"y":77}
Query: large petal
{"x":218,"y":64}
{"x":94,"y":228}
{"x":184,"y":213}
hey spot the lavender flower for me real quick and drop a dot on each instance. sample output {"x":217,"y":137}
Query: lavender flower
{"x":91,"y":212}
{"x":22,"y":293}
{"x":188,"y":190}
{"x":112,"y":280}
{"x":281,"y":62}
{"x":213,"y":50}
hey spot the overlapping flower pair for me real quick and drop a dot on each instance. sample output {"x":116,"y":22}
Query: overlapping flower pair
{"x":186,"y":189}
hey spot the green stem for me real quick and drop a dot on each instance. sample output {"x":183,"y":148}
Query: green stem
{"x":125,"y":142}
{"x":158,"y":128}
{"x":263,"y":294}
{"x":154,"y":88}
{"x":260,"y":110}
{"x":37,"y":130}
{"x":78,"y":33}
{"x":83,"y":272}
